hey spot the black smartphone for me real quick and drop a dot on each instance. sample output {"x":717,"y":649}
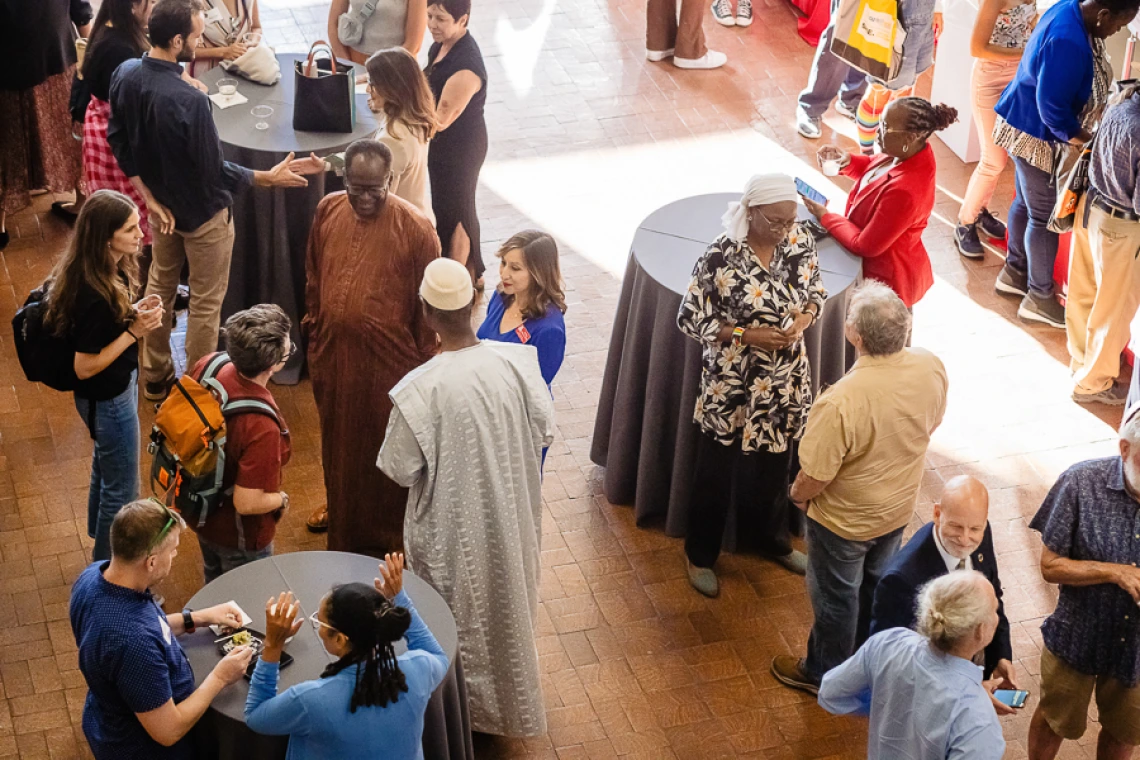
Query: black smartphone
{"x":1012,"y":697}
{"x":808,"y":191}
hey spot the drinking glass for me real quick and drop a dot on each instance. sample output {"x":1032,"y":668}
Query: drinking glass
{"x":227,"y":86}
{"x":262,"y":113}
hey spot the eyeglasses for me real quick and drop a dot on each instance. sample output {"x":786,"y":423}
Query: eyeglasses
{"x":290,"y":353}
{"x":784,"y":226}
{"x":172,"y":519}
{"x":318,"y":623}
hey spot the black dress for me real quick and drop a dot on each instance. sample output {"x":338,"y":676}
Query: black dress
{"x":456,"y":154}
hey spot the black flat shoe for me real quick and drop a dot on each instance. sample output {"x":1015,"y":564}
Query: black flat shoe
{"x":5,"y":238}
{"x":58,"y":209}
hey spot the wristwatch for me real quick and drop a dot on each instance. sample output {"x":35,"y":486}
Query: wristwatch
{"x":188,"y":620}
{"x":284,"y":502}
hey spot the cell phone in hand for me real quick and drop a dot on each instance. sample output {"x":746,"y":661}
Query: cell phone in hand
{"x":810,"y":192}
{"x":1011,"y":697}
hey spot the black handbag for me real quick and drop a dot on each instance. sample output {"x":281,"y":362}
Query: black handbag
{"x":325,"y":93}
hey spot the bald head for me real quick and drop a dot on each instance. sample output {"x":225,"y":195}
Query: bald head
{"x":961,"y":515}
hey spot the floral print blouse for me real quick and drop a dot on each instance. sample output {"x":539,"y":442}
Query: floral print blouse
{"x":750,"y":396}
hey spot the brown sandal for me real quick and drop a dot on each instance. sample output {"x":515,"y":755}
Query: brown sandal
{"x":318,"y":522}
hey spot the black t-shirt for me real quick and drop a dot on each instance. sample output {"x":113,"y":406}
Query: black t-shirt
{"x":111,"y":48}
{"x":93,"y":328}
{"x":463,"y":56}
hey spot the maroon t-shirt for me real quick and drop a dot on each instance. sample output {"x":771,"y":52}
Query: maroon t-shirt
{"x":256,"y":450}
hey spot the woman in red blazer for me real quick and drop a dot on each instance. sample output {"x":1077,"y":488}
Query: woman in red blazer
{"x":893,"y":196}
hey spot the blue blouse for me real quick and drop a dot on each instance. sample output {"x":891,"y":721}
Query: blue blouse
{"x":315,"y":714}
{"x":547,"y":334}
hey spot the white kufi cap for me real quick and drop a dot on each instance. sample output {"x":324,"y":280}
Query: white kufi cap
{"x":447,"y":285}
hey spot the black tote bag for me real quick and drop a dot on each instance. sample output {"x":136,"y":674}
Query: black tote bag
{"x":325,"y":92}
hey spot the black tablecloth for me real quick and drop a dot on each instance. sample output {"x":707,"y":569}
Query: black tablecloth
{"x":222,"y":733}
{"x":644,"y":433}
{"x":271,"y":226}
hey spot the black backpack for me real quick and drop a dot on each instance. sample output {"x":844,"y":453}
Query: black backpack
{"x":44,"y":357}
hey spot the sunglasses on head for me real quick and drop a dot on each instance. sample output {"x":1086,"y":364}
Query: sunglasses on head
{"x":172,"y":519}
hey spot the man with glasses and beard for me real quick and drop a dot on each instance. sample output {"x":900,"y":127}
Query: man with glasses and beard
{"x":366,"y":258}
{"x":163,"y":136}
{"x":1090,"y":531}
{"x":141,"y":700}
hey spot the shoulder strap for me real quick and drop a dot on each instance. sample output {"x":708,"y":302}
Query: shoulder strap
{"x":210,"y":380}
{"x":241,"y":406}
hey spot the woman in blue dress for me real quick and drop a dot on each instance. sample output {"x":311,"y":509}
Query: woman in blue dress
{"x":528,"y":305}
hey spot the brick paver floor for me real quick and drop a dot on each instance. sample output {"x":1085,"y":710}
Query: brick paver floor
{"x":586,"y":139}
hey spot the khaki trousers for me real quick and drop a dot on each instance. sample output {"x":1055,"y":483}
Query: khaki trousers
{"x":1104,"y":292}
{"x":208,"y":250}
{"x":663,"y":33}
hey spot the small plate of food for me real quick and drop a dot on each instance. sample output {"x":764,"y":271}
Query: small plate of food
{"x":255,"y":640}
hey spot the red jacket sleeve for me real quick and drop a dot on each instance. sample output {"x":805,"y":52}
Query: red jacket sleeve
{"x":857,"y":166}
{"x":896,"y":212}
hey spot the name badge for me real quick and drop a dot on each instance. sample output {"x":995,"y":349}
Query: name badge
{"x":166,"y":632}
{"x":213,"y":16}
{"x":523,"y":333}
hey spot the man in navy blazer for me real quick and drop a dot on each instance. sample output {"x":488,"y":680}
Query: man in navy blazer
{"x":958,"y":538}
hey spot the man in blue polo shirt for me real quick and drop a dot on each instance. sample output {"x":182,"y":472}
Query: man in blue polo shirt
{"x":141,"y":700}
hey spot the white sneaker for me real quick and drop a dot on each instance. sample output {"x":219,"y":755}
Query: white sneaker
{"x":658,"y":55}
{"x":808,"y":127}
{"x":722,"y":12}
{"x":842,"y":109}
{"x":710,"y":60}
{"x":744,"y":12}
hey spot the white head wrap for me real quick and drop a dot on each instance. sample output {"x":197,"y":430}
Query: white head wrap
{"x":447,"y":285}
{"x":761,"y":190}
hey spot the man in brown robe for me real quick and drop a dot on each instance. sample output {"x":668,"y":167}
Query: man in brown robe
{"x":366,"y":257}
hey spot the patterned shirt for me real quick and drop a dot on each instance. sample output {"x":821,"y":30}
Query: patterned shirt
{"x":1115,"y":165}
{"x":132,"y":664}
{"x":1091,"y":517}
{"x":749,"y":395}
{"x":1043,"y":154}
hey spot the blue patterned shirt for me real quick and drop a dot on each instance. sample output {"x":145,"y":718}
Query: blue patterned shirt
{"x":1116,"y":155}
{"x":1089,"y":516}
{"x":132,"y":664}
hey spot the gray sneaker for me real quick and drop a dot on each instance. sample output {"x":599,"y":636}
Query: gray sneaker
{"x":845,"y":110}
{"x":796,"y":561}
{"x":1114,"y":395}
{"x":808,"y":127}
{"x":1011,"y":282}
{"x":1045,"y":310}
{"x":703,"y":579}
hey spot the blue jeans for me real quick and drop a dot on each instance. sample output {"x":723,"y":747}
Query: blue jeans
{"x":1032,"y":247}
{"x":831,"y":77}
{"x":114,"y":426}
{"x":221,"y":559}
{"x":841,"y":580}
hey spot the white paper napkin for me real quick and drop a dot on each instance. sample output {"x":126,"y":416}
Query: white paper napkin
{"x":225,"y":101}
{"x":245,"y":619}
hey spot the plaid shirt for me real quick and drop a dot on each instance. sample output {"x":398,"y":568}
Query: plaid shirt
{"x":1089,"y":516}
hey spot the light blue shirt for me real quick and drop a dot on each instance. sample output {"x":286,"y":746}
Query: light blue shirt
{"x":315,"y":714}
{"x":924,"y":705}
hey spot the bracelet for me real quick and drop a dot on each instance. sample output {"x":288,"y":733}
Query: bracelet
{"x":737,"y":335}
{"x":128,"y":331}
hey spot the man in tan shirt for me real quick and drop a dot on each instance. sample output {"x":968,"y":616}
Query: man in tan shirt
{"x":861,"y":461}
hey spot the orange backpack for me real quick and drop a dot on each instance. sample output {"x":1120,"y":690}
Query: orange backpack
{"x":188,"y":442}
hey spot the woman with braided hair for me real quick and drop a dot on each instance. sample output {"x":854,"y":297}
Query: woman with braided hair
{"x":890,"y":204}
{"x":368,"y":697}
